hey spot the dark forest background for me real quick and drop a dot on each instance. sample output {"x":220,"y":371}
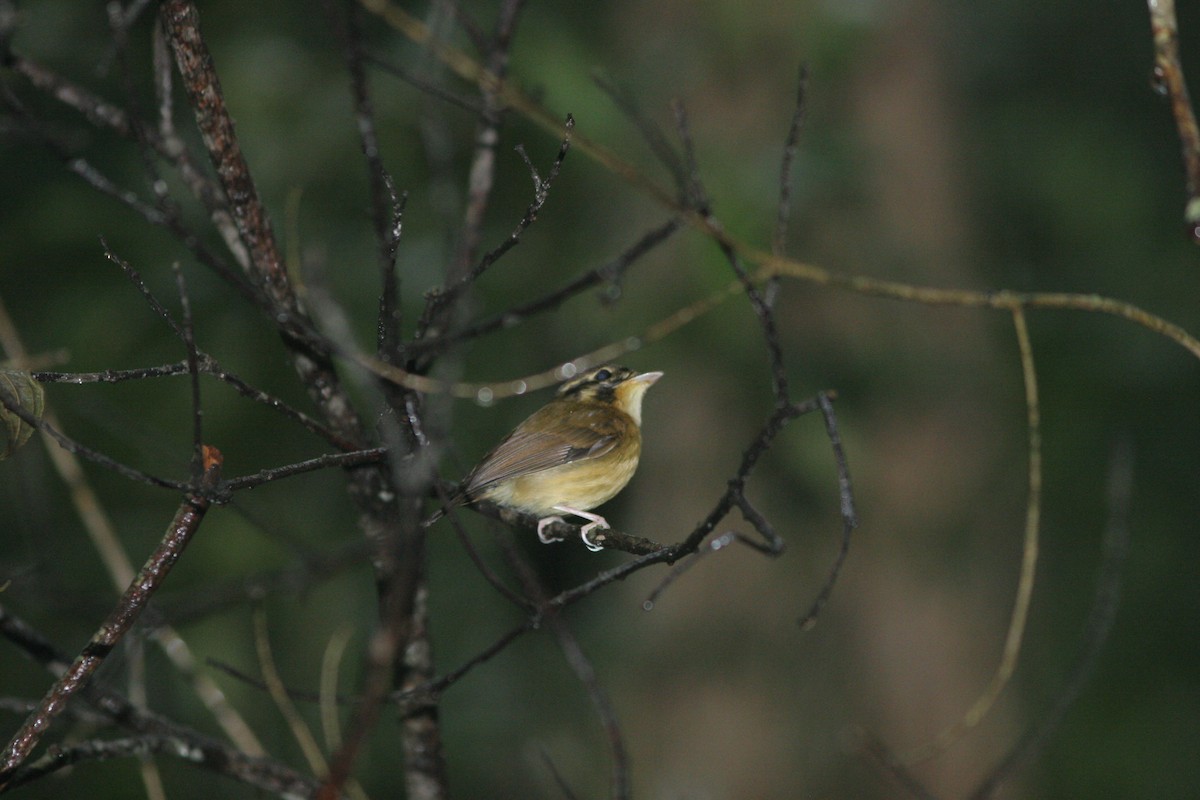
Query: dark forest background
{"x":1008,"y":145}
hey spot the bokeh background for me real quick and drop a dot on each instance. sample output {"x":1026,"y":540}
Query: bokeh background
{"x":1007,"y":145}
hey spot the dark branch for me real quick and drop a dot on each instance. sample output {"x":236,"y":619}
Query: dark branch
{"x":791,"y":146}
{"x":185,"y":524}
{"x":610,"y":273}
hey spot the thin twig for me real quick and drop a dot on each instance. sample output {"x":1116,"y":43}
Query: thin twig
{"x":269,"y":777}
{"x":791,"y":146}
{"x":355,"y":458}
{"x":72,"y":446}
{"x":188,"y":333}
{"x":772,"y":543}
{"x":209,"y":366}
{"x":714,"y":545}
{"x":1169,"y":79}
{"x":488,"y":574}
{"x":1020,"y":613}
{"x":441,"y":307}
{"x":440,"y":303}
{"x":579,"y":663}
{"x":774,"y":424}
{"x":848,"y":511}
{"x":430,"y":88}
{"x":386,"y":210}
{"x":431,"y":690}
{"x":541,"y":190}
{"x":697,"y":198}
{"x":611,"y":273}
{"x":657,"y":141}
{"x":1101,"y":616}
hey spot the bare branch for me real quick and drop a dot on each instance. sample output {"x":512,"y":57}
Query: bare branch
{"x":261,"y":774}
{"x":848,"y":511}
{"x":791,"y":146}
{"x":1169,"y":80}
{"x":67,"y":443}
{"x":697,"y":198}
{"x":582,"y":667}
{"x":187,"y":520}
{"x":204,"y":90}
{"x":440,"y":302}
{"x":610,"y":273}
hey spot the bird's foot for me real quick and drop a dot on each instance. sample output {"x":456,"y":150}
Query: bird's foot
{"x":543,"y":523}
{"x":596,"y":521}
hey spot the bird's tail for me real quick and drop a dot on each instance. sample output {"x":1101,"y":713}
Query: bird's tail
{"x":450,"y":499}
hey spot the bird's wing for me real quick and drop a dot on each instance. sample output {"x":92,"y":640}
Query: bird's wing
{"x":550,"y":438}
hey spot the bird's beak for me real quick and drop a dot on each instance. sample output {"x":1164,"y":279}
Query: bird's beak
{"x":629,"y":393}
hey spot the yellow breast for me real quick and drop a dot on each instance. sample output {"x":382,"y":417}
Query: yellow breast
{"x":581,"y":485}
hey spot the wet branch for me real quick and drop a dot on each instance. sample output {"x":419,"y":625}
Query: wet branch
{"x":185,"y":524}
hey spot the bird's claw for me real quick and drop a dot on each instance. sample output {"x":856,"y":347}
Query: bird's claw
{"x":591,"y":526}
{"x":543,"y":523}
{"x":596,"y":522}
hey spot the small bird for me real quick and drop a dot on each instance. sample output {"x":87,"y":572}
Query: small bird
{"x":571,"y":455}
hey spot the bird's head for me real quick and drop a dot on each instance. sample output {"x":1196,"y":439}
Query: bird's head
{"x":618,"y":386}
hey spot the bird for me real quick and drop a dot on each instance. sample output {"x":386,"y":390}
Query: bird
{"x":570,"y":456}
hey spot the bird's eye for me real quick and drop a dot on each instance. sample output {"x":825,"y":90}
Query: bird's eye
{"x":602,"y":375}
